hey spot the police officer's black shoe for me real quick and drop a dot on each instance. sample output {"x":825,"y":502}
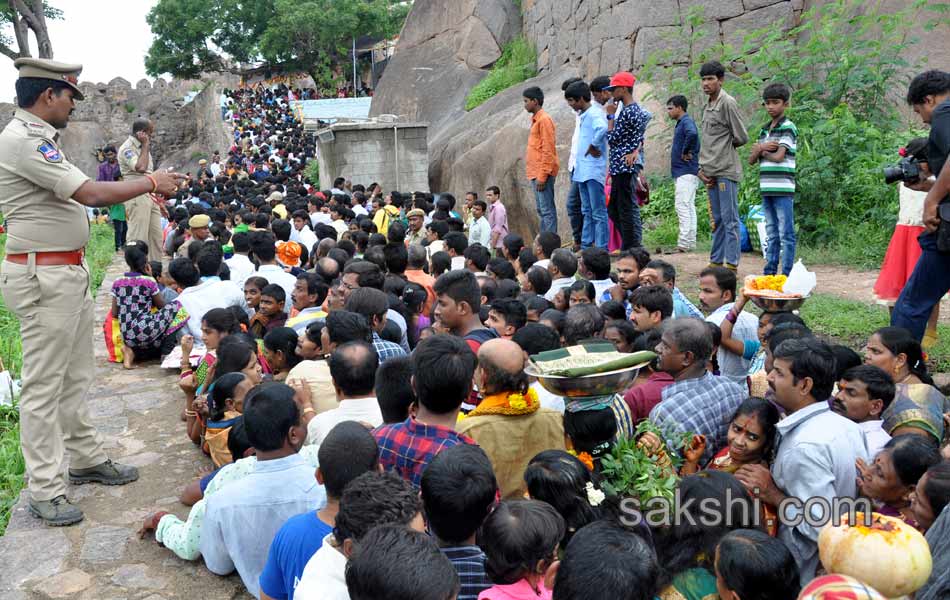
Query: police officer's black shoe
{"x":57,"y":512}
{"x":107,"y":473}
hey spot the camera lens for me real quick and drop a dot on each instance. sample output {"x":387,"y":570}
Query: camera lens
{"x":893,"y":174}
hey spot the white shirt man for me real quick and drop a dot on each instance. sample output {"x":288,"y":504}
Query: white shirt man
{"x":275,"y":274}
{"x":210,"y":293}
{"x":241,"y":268}
{"x":556,"y":285}
{"x":303,"y":236}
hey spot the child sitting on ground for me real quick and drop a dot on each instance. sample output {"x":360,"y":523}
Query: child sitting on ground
{"x":750,"y":564}
{"x":252,"y":293}
{"x":165,"y":283}
{"x":280,"y":351}
{"x":458,"y":492}
{"x":652,"y":304}
{"x":520,"y":539}
{"x":134,"y":296}
{"x":270,"y":311}
{"x":225,"y":405}
{"x":581,"y":292}
{"x":216,"y":324}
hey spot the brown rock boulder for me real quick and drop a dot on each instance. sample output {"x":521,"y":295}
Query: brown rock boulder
{"x":443,"y":51}
{"x":487,"y":146}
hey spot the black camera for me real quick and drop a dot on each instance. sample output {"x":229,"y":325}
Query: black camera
{"x":907,"y":170}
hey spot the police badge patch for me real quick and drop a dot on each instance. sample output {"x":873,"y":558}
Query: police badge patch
{"x":129,"y":154}
{"x":50,"y":152}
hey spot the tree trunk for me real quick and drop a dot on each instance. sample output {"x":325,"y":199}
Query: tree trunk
{"x":21,"y":32}
{"x":31,"y":16}
{"x":43,"y":44}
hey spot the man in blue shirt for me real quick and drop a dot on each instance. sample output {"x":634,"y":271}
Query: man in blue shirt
{"x":684,"y":166}
{"x":626,"y":129}
{"x":348,"y":451}
{"x":590,"y":165}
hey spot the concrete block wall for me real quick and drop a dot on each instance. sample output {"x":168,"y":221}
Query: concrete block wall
{"x":365,"y":153}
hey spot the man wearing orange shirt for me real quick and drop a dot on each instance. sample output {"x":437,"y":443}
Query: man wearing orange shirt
{"x":541,"y":158}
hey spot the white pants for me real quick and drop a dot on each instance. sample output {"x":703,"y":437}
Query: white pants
{"x":686,"y":210}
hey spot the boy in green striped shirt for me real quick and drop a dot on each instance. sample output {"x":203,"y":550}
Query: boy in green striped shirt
{"x":775,"y":154}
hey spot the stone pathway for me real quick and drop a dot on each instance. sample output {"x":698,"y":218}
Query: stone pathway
{"x":102,"y":558}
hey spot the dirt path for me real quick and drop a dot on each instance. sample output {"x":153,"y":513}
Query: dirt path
{"x":102,"y":557}
{"x":833,"y":280}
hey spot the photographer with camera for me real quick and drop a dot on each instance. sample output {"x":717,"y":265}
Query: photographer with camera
{"x":929,"y":96}
{"x":903,"y":251}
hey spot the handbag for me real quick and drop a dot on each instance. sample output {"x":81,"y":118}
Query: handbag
{"x":113,"y":336}
{"x":641,"y":190}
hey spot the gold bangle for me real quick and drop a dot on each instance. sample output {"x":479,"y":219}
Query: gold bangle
{"x":191,"y":413}
{"x":309,"y":409}
{"x":154,"y":183}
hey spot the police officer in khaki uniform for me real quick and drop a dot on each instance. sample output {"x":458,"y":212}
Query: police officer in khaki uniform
{"x":45,"y":282}
{"x":199,"y":227}
{"x":143,"y":213}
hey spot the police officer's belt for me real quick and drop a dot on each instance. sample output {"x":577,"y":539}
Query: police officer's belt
{"x":50,"y":259}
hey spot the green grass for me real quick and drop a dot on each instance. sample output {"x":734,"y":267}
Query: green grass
{"x":517,"y":63}
{"x":851,"y":323}
{"x":99,"y":254}
{"x":858,"y":245}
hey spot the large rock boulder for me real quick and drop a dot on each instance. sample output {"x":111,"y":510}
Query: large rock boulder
{"x":487,"y":147}
{"x":444,"y":50}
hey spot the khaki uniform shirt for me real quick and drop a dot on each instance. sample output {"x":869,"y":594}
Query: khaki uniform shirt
{"x":36,"y":187}
{"x":416,"y":237}
{"x":183,"y":249}
{"x":128,"y":155}
{"x":722,"y":132}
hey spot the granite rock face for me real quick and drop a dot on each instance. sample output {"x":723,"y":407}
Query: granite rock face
{"x":105,"y":116}
{"x":445,"y":48}
{"x":436,"y":65}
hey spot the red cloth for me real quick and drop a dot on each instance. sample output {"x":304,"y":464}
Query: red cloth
{"x":642,"y":398}
{"x":899,"y":261}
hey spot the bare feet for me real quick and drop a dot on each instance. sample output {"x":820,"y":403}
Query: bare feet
{"x":128,"y":358}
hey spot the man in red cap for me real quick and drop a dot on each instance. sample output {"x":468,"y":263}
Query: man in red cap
{"x":626,"y":129}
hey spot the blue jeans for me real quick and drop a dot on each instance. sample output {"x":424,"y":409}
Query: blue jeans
{"x":926,"y":286}
{"x":780,"y":233}
{"x":724,"y":201}
{"x":594,"y":210}
{"x":544,"y":201}
{"x":575,"y":212}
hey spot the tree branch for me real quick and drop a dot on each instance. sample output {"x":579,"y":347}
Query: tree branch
{"x":9,"y":52}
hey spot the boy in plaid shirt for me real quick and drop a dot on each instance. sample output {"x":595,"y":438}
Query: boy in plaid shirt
{"x":443,"y":366}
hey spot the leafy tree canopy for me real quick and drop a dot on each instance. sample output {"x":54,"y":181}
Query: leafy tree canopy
{"x":313,"y":36}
